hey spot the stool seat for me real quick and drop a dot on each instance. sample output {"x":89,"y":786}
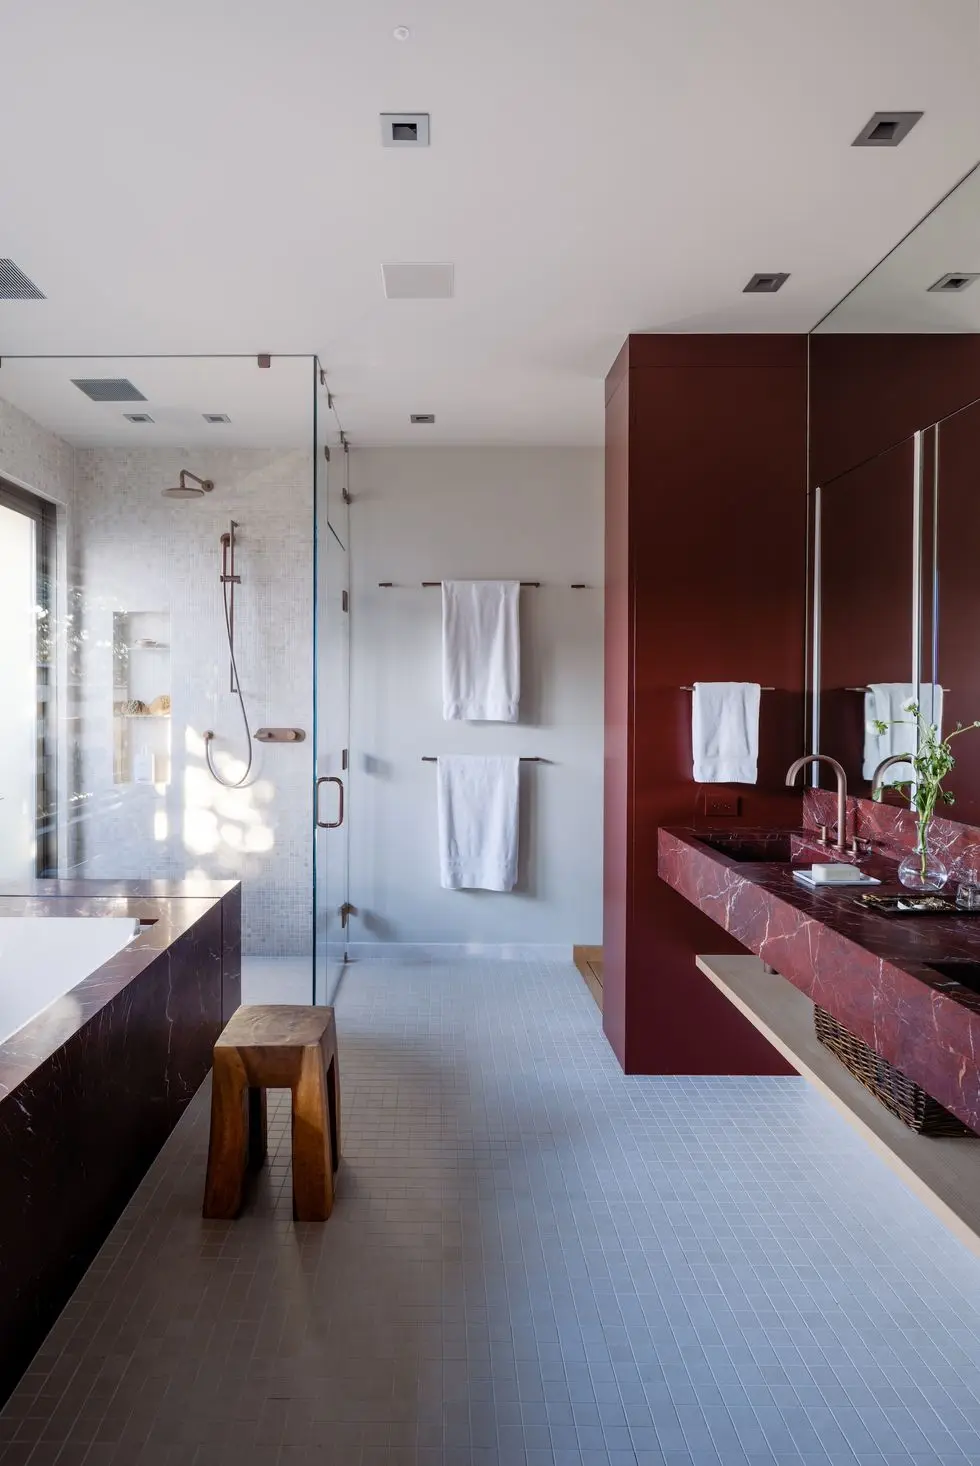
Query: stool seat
{"x":277,"y":1046}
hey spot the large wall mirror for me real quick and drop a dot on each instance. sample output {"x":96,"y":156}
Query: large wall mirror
{"x":895,"y":475}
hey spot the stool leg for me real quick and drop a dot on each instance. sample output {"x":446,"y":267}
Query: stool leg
{"x":333,"y":1099}
{"x":312,"y":1169}
{"x":258,"y":1128}
{"x":228,"y":1142}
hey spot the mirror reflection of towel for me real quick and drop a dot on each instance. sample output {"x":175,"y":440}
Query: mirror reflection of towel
{"x":887,"y":702}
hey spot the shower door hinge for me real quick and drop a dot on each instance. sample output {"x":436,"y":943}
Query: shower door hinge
{"x":346,"y":497}
{"x":344,"y":758}
{"x":345,"y":600}
{"x":346,"y":912}
{"x":326,"y":451}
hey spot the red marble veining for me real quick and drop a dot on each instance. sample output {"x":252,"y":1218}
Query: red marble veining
{"x":892,"y":828}
{"x":871,"y":972}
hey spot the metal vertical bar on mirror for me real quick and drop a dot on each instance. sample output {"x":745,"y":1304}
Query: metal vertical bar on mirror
{"x":917,"y":461}
{"x":934,"y":674}
{"x":815,"y":665}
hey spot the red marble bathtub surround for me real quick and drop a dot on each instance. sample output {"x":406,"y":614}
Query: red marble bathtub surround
{"x":892,"y":827}
{"x":871,"y":972}
{"x":91,"y":1088}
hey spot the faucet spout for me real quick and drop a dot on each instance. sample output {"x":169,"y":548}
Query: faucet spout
{"x":878,"y":775}
{"x":824,"y":758}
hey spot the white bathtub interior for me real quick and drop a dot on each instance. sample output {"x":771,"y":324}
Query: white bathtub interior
{"x":44,"y":957}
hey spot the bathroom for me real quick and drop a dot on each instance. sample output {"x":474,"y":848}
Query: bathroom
{"x":614,"y":1189}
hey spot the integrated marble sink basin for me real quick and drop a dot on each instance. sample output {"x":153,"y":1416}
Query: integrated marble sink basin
{"x":777,"y":847}
{"x":961,"y":970}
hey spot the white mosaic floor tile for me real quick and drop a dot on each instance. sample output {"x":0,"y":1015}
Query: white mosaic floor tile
{"x":533,"y":1261}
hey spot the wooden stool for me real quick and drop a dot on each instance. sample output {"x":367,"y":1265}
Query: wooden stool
{"x":282,"y":1047}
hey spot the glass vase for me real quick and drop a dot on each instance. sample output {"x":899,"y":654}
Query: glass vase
{"x":922,"y":869}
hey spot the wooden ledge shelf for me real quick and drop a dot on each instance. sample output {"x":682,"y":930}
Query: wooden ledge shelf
{"x":944,"y":1173}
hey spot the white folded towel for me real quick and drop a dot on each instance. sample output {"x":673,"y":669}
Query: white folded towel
{"x":478,"y":812}
{"x":725,"y":732}
{"x":481,"y":651}
{"x":888,"y":702}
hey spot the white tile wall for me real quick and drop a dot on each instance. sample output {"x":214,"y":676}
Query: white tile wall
{"x":136,"y":551}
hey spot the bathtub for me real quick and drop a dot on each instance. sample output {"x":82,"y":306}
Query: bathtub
{"x":43,"y":957}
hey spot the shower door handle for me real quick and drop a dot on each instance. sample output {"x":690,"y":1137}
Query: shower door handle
{"x":328,"y":824}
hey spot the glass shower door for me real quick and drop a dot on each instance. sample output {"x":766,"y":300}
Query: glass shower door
{"x":331,"y":799}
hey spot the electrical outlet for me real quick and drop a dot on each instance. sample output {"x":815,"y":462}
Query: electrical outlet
{"x":719,"y":805}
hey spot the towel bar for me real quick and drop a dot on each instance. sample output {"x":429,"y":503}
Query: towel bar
{"x":428,"y":758}
{"x":764,"y":689}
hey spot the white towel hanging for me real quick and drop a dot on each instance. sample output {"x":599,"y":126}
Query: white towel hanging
{"x":478,"y":822}
{"x":481,"y":650}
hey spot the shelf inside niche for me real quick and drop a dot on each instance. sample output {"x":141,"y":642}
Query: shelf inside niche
{"x":141,"y":755}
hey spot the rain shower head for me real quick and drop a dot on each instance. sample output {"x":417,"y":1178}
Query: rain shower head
{"x":183,"y":490}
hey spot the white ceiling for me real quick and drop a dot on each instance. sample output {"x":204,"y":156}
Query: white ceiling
{"x":208,"y":176}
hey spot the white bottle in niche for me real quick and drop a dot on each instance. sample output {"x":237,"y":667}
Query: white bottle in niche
{"x":143,"y":766}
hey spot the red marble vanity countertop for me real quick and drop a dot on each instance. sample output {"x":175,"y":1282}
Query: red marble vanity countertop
{"x":871,"y":972}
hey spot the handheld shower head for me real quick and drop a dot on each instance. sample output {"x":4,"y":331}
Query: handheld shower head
{"x":184,"y":490}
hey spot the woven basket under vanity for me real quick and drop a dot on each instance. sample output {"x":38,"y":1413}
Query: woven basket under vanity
{"x":895,"y":1090}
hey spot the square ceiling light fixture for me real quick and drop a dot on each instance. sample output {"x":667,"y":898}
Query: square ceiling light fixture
{"x":422,"y":280}
{"x":137,"y":417}
{"x":405,"y":129}
{"x":765,"y":284}
{"x":886,"y":130}
{"x":216,"y":417}
{"x":954,"y":283}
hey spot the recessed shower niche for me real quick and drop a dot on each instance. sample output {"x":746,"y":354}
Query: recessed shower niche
{"x":141,"y":697}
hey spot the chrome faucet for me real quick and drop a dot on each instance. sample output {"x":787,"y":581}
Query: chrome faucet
{"x":886,"y":763}
{"x":824,"y":758}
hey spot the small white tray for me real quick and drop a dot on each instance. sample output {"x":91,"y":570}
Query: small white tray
{"x":805,"y":879}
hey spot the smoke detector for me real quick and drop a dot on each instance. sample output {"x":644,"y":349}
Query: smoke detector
{"x":405,"y":129}
{"x":765,"y":284}
{"x":955,"y":282}
{"x":886,"y":130}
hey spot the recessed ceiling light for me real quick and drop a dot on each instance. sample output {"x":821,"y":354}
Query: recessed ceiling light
{"x":422,"y":417}
{"x":886,"y":130}
{"x":216,"y":417}
{"x":401,"y":33}
{"x":405,"y":129}
{"x":137,"y":417}
{"x":14,"y":284}
{"x":418,"y":280}
{"x":765,"y":284}
{"x":954,"y":282}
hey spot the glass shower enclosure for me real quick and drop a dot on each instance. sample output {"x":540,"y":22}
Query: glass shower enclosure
{"x":184,"y":691}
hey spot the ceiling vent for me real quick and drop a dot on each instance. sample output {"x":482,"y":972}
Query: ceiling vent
{"x":14,"y":284}
{"x":216,"y":417}
{"x":886,"y":130}
{"x":954,"y":283}
{"x":108,"y":389}
{"x":425,"y":280}
{"x":405,"y":129}
{"x":422,"y":417}
{"x":137,"y":417}
{"x":765,"y":284}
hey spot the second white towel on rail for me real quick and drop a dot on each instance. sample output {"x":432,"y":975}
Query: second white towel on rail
{"x":725,"y":732}
{"x":481,"y":651}
{"x":478,"y":822}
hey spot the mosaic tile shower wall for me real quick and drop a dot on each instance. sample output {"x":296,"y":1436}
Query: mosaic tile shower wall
{"x":158,"y":560}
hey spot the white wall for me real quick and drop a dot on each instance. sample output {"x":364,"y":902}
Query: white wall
{"x":428,"y":514}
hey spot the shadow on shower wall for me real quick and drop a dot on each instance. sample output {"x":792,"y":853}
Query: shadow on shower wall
{"x":143,"y":644}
